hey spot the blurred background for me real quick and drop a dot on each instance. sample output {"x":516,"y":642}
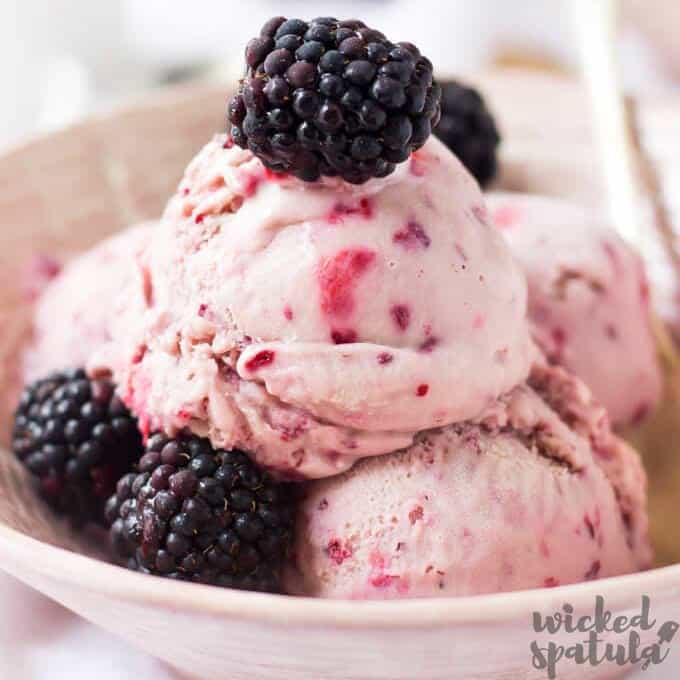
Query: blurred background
{"x":62,"y":59}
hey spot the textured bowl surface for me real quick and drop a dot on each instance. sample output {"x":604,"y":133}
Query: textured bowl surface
{"x":64,"y":192}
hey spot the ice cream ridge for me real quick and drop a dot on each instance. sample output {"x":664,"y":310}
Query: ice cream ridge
{"x":327,"y":297}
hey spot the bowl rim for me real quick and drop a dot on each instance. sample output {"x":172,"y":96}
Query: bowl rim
{"x":80,"y":571}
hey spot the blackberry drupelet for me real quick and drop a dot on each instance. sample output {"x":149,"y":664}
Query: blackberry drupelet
{"x":333,"y":98}
{"x":194,"y":513}
{"x":77,"y":439}
{"x":469,"y":130}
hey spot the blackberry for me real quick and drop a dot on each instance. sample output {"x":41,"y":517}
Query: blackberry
{"x":469,"y":130}
{"x":76,"y":438}
{"x":194,"y":513}
{"x":333,"y":98}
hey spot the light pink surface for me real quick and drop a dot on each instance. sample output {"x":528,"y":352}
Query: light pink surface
{"x":41,"y":640}
{"x":314,"y":325}
{"x":73,"y":315}
{"x":588,"y":299}
{"x":537,"y":493}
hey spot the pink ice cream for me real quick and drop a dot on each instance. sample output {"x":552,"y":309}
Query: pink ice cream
{"x":535,"y":493}
{"x":73,"y":314}
{"x":588,"y":300}
{"x":316,"y":324}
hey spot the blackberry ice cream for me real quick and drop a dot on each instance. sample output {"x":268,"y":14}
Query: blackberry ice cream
{"x":535,"y":493}
{"x":316,"y":324}
{"x":589,"y":300}
{"x":326,"y":300}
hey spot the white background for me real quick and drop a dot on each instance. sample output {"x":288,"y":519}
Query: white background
{"x":62,"y":58}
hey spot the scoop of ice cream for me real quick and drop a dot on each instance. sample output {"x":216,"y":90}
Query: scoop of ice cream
{"x":315,"y":324}
{"x":537,"y":493}
{"x":73,"y":314}
{"x":588,"y":300}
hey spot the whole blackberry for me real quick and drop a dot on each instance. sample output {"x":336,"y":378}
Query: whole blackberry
{"x":76,"y":438}
{"x":333,"y":98}
{"x":469,"y":130}
{"x":194,"y":513}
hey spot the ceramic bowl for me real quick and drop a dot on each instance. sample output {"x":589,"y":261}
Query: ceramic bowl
{"x":62,"y":193}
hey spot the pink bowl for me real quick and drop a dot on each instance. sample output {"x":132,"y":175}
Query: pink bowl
{"x":64,"y":192}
